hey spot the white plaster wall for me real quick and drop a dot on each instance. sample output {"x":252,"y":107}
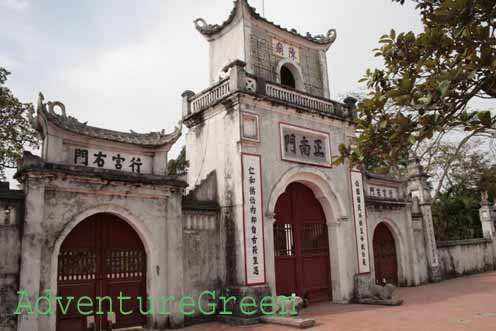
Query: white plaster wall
{"x":213,"y":145}
{"x":153,"y":211}
{"x":421,"y":253}
{"x":342,"y":252}
{"x":460,"y":258}
{"x":228,"y":47}
{"x":201,"y":254}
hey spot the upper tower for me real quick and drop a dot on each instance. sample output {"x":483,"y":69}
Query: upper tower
{"x":270,"y":51}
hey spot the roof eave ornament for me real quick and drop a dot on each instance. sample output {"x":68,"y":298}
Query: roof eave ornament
{"x":34,"y":117}
{"x":328,"y":39}
{"x":204,"y":28}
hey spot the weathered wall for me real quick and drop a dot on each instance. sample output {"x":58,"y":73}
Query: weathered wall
{"x":213,"y":145}
{"x":11,"y":214}
{"x":201,"y":253}
{"x":203,"y":242}
{"x":58,"y":203}
{"x":264,"y":62}
{"x":398,"y":222}
{"x":225,"y":49}
{"x":419,"y":247}
{"x":275,"y":172}
{"x":464,"y":257}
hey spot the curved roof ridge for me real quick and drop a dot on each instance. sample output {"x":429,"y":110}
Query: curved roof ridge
{"x":72,"y":124}
{"x":212,"y":29}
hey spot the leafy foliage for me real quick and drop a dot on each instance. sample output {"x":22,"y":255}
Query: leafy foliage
{"x":456,"y":211}
{"x":15,"y":130}
{"x":178,"y":166}
{"x":456,"y":217}
{"x":427,"y":82}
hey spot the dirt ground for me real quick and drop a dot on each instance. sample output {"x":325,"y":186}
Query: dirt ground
{"x":467,"y":303}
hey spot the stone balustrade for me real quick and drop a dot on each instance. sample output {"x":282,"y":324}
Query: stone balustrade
{"x":210,"y":96}
{"x":240,"y":80}
{"x":299,"y":99}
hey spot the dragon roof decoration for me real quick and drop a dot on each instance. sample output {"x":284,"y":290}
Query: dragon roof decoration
{"x":211,"y":29}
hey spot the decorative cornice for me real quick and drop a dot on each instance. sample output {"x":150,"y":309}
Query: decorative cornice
{"x":36,"y":166}
{"x":387,"y":178}
{"x":212,"y":29}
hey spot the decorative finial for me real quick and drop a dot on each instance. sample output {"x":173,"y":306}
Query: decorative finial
{"x":41,"y":105}
{"x":60,"y":105}
{"x":484,"y":198}
{"x":332,"y":34}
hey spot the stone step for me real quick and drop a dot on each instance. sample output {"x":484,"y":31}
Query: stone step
{"x":296,"y":322}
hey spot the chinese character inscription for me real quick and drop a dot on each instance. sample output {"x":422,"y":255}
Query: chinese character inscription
{"x":304,"y":145}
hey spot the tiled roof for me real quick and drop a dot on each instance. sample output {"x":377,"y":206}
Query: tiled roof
{"x":69,"y":123}
{"x":211,"y":29}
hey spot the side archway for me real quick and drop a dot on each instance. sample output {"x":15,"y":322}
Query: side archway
{"x":134,"y":225}
{"x":388,"y":245}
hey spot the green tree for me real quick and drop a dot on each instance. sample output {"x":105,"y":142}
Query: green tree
{"x":178,"y":166}
{"x":456,"y":217}
{"x":428,"y":81}
{"x":16,"y":132}
{"x":472,"y":171}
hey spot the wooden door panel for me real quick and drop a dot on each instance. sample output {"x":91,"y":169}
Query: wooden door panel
{"x":385,"y":260}
{"x":102,"y":256}
{"x":286,"y":276}
{"x":317,"y":274}
{"x":300,"y":231}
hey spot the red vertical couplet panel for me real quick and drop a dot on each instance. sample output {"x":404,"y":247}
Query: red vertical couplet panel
{"x":102,"y":257}
{"x":360,"y":216}
{"x":253,"y":226}
{"x":301,"y":245}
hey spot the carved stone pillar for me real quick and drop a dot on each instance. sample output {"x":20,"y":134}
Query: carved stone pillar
{"x":486,"y":218}
{"x":419,"y":188}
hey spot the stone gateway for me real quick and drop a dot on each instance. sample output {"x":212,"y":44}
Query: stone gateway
{"x":262,"y":210}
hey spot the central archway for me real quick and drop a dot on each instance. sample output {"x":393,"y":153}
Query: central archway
{"x":301,"y":245}
{"x":101,"y":257}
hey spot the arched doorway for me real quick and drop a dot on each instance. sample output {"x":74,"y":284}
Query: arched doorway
{"x":102,"y":257}
{"x":301,"y":245}
{"x":385,"y":262}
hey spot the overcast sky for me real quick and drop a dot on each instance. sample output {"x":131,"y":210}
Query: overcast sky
{"x":123,"y":64}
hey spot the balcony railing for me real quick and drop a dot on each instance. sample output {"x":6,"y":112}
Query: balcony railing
{"x":239,"y":80}
{"x":210,"y":96}
{"x":296,"y":98}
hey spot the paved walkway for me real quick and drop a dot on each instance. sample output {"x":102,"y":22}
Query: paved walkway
{"x":461,"y":304}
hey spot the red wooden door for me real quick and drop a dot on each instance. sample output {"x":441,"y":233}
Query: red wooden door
{"x":386,"y":266}
{"x":301,"y":245}
{"x":102,"y":256}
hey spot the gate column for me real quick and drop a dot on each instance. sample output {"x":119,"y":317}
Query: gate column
{"x":31,"y":249}
{"x":175,"y":284}
{"x":270,"y":219}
